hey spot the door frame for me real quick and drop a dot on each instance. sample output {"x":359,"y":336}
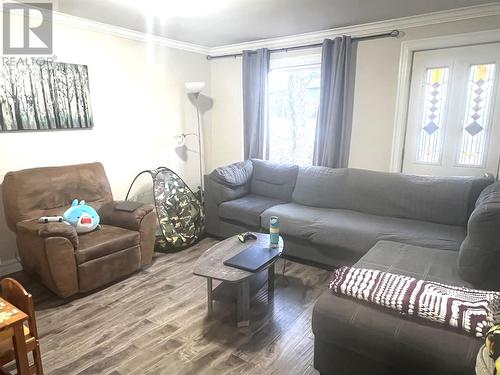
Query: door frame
{"x":408,"y":49}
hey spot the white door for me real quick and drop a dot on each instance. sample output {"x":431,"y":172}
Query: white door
{"x":453,"y":126}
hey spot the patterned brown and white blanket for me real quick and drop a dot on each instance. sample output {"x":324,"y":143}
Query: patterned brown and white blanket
{"x":470,"y":310}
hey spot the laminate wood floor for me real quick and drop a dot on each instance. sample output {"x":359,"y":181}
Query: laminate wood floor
{"x":155,"y":322}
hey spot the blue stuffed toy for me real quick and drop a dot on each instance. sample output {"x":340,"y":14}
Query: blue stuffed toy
{"x":81,"y":216}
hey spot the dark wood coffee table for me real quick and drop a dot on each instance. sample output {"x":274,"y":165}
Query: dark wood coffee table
{"x":236,"y":284}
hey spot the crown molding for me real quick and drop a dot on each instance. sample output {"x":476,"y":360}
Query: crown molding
{"x":89,"y":25}
{"x":490,"y":9}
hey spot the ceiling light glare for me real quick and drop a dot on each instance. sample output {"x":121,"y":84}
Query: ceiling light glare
{"x":176,"y":8}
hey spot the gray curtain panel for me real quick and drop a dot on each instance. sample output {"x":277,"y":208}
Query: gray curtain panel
{"x":255,"y":130}
{"x":333,"y":128}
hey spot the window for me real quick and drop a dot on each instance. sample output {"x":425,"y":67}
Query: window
{"x":453,"y":114}
{"x":476,"y":121}
{"x":430,"y":139}
{"x":293,"y":96}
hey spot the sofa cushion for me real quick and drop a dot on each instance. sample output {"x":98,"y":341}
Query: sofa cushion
{"x":234,"y":175}
{"x":247,"y":210}
{"x":480,"y":252}
{"x":444,"y":200}
{"x":273,"y":180}
{"x":222,"y":193}
{"x":295,"y":220}
{"x":416,"y":261}
{"x":375,"y":332}
{"x":321,"y":187}
{"x":357,"y":231}
{"x":105,"y":241}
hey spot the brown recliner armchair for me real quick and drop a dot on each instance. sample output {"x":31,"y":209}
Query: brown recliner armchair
{"x":68,"y":263}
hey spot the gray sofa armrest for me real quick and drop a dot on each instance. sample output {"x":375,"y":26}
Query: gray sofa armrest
{"x":215,"y":194}
{"x":229,"y":182}
{"x":222,"y":185}
{"x":479,"y":255}
{"x":221,"y":193}
{"x":233,"y":175}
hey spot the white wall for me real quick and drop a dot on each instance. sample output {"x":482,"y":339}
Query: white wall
{"x":374,"y":99}
{"x":139,"y":104}
{"x":138,"y":101}
{"x":226,"y":136}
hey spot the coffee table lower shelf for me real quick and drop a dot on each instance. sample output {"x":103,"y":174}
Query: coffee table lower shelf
{"x":241,"y":292}
{"x":237,"y":285}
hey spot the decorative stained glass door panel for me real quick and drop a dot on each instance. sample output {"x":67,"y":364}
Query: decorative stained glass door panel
{"x":453,"y":123}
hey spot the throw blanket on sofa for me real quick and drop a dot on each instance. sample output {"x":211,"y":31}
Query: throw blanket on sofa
{"x":465,"y":309}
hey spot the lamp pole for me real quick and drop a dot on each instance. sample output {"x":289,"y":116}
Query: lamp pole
{"x":195,"y":88}
{"x":197,"y":96}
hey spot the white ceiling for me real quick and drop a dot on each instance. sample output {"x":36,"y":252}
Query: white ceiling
{"x":214,"y":23}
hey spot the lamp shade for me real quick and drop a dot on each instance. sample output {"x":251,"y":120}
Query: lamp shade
{"x":195,"y":87}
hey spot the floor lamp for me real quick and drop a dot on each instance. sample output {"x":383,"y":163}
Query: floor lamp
{"x":195,"y":88}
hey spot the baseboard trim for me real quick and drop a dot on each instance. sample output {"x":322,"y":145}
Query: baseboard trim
{"x":10,"y":266}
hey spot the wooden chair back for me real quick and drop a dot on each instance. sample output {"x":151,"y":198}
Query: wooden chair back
{"x":14,"y":292}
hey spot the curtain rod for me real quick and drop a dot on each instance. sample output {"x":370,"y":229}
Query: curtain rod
{"x":392,"y":34}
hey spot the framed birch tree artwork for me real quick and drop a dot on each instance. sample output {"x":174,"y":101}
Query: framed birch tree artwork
{"x":45,"y":96}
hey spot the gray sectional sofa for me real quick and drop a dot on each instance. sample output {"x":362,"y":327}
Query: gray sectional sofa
{"x":445,"y":229}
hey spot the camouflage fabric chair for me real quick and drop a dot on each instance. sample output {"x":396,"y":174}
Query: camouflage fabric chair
{"x":181,"y":218}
